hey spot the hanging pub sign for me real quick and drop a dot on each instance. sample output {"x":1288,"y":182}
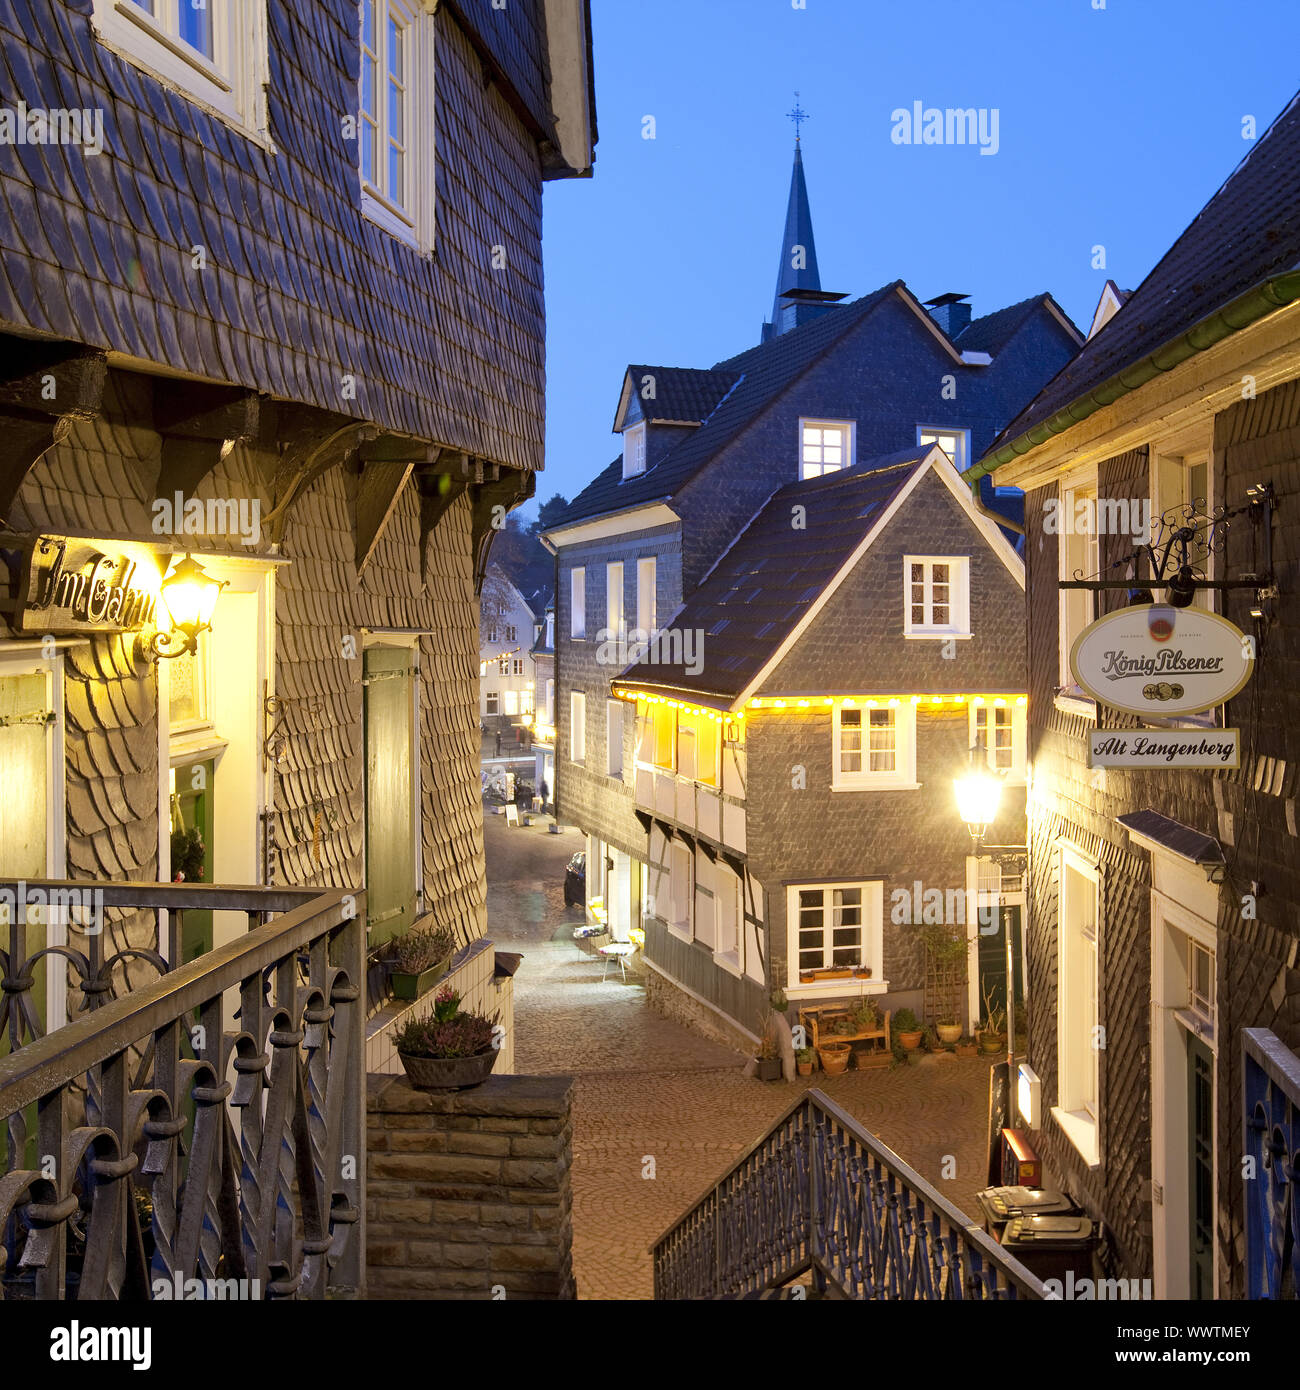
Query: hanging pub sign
{"x":1159,"y":748}
{"x":1157,"y":661}
{"x":76,"y":584}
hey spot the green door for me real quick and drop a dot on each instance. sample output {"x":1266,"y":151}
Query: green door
{"x":1200,"y":1152}
{"x":993,"y":959}
{"x":390,"y":821}
{"x":191,"y":811}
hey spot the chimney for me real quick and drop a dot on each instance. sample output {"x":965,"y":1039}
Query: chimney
{"x":950,"y":312}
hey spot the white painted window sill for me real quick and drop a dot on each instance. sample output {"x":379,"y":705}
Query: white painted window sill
{"x":681,"y":933}
{"x":939,"y":635}
{"x":1081,"y":1130}
{"x":835,"y":989}
{"x":1076,"y":704}
{"x":730,"y":962}
{"x":876,"y":787}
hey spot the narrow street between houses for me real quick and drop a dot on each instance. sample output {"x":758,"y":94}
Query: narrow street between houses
{"x":660,"y":1112}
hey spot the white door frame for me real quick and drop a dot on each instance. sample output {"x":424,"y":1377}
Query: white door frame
{"x":1180,"y":889}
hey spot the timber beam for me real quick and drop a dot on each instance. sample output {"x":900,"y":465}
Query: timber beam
{"x":195,"y":421}
{"x":491,"y":503}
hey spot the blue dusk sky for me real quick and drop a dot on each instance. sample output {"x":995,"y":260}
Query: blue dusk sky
{"x":1114,"y":127}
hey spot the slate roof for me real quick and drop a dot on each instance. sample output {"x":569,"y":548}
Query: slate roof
{"x":1247,"y":232}
{"x":300,"y":289}
{"x":992,"y":332}
{"x":684,"y":395}
{"x":764,"y":372}
{"x":763,"y":585}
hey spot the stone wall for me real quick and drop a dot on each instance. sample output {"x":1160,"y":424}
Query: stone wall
{"x":467,"y":1192}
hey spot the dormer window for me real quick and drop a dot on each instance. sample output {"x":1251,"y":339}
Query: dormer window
{"x":825,"y":446}
{"x":954,"y":443}
{"x":634,"y":450}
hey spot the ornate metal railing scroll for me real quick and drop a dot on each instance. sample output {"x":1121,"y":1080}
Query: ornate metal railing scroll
{"x":1271,"y":1112}
{"x":819,"y":1193}
{"x":170,"y":1144}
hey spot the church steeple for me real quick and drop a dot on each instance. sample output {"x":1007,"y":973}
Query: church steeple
{"x":799,"y":295}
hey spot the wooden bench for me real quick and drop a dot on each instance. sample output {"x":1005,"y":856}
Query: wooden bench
{"x":817,"y":1018}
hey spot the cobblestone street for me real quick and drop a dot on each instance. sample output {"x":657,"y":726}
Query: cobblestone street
{"x":649,"y":1089}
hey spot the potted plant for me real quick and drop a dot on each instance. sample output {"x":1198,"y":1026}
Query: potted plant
{"x":907,"y":1029}
{"x":803,"y":1060}
{"x":948,"y":1028}
{"x":865,"y":1017}
{"x":447,"y":1049}
{"x":417,"y":959}
{"x":807,"y":977}
{"x":991,"y":1035}
{"x":967,"y":1046}
{"x":834,"y":1057}
{"x":768,"y":1061}
{"x":862,"y":972}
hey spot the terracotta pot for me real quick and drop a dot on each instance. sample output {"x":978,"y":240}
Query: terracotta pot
{"x":805,"y":1068}
{"x":948,"y":1032}
{"x":807,"y":977}
{"x":967,"y":1049}
{"x":834,"y":1057}
{"x":911,"y":1040}
{"x":448,"y":1073}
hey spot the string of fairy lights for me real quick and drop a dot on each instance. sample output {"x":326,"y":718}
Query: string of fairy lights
{"x":824,"y":702}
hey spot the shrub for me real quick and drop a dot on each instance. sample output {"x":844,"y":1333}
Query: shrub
{"x":905,"y":1021}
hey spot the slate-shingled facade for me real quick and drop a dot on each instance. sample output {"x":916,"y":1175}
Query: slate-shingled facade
{"x":879,"y":367}
{"x":1182,"y":883}
{"x":204,"y":311}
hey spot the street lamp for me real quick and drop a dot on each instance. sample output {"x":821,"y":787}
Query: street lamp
{"x":979,"y":794}
{"x":187,"y":599}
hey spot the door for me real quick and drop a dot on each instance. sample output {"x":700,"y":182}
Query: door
{"x":1200,"y":1155}
{"x":390,"y":818}
{"x":193,"y":848}
{"x":993,"y":960}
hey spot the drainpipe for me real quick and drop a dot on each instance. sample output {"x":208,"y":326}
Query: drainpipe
{"x":978,"y":503}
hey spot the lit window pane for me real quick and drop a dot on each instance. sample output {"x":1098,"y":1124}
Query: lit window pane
{"x":811,"y":454}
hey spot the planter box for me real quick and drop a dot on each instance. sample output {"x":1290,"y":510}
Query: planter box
{"x":407,"y":986}
{"x":767,"y":1068}
{"x":448,"y":1073}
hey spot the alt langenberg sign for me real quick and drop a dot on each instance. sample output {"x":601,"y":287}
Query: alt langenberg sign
{"x":1156,"y":661}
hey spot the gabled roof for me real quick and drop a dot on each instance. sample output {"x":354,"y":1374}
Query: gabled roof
{"x":992,"y":332}
{"x":682,"y":395}
{"x":1246,"y":237}
{"x":764,"y":372}
{"x":755,"y":596}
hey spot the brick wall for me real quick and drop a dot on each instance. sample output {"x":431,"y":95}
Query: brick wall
{"x":467,"y":1192}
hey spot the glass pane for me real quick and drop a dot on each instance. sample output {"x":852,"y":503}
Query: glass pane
{"x":811,"y":453}
{"x":811,"y":436}
{"x":369,"y":146}
{"x":396,"y":114}
{"x":941,"y":574}
{"x":940,"y":617}
{"x":368,"y":23}
{"x":396,"y":40}
{"x":832,"y":454}
{"x":396,"y":174}
{"x":918,"y":576}
{"x":196,"y":24}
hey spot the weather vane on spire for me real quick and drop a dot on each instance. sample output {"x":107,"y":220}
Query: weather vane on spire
{"x":798,"y":116}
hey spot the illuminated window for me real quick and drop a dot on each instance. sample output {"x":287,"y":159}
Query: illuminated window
{"x":954,"y":443}
{"x":836,"y":925}
{"x":875,"y":747}
{"x":825,"y":446}
{"x":577,"y":727}
{"x":1001,"y":729}
{"x":1078,"y":1032}
{"x":492,"y":702}
{"x":578,"y":602}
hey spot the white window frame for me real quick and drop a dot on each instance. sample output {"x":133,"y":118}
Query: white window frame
{"x":231,"y":84}
{"x":410,"y":219}
{"x":681,"y":889}
{"x":614,"y":738}
{"x":729,"y":903}
{"x":1015,"y":769}
{"x":491,"y":698}
{"x":816,"y":469}
{"x":615,"y":617}
{"x":903,"y":776}
{"x":960,"y":438}
{"x":510,"y":702}
{"x":1171,"y":487}
{"x":1076,"y":607}
{"x":634,"y":438}
{"x":871,"y":945}
{"x":1078,"y":1109}
{"x":578,"y":603}
{"x":577,"y":727}
{"x":958,"y":624}
{"x":646,"y":595}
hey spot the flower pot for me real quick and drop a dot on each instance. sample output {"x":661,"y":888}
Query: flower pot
{"x":911,"y":1040}
{"x":834,"y":1057}
{"x":967,"y":1049}
{"x":862,"y":972}
{"x":767,"y":1068}
{"x":804,"y":1068}
{"x":448,"y":1073}
{"x":807,"y":977}
{"x":992,"y":1043}
{"x":407,"y":986}
{"x":948,"y":1032}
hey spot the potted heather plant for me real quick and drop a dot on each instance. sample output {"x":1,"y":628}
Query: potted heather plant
{"x":804,"y":1060}
{"x":448,"y":1049}
{"x":418,"y":959}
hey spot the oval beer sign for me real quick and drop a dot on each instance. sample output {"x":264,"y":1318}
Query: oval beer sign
{"x":1155,"y":660}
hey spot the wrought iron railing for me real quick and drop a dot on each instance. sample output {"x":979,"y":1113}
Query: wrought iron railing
{"x":1271,"y":1112}
{"x":169,"y":1143}
{"x":819,"y":1194}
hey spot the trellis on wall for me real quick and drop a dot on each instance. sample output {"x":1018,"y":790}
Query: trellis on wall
{"x":945,"y":972}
